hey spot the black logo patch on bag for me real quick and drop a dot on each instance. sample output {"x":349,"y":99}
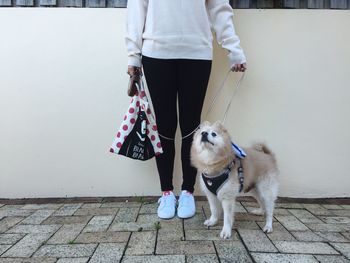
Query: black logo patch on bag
{"x":137,"y":145}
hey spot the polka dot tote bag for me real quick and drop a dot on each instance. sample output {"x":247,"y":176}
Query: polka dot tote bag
{"x":137,"y":137}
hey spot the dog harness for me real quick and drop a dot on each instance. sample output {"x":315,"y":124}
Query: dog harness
{"x":214,"y":184}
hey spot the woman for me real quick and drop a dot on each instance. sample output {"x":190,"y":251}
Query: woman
{"x":172,"y":41}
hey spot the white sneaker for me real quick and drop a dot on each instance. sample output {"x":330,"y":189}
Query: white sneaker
{"x":187,"y":206}
{"x":167,"y":205}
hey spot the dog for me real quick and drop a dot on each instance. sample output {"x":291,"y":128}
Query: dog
{"x":213,"y":155}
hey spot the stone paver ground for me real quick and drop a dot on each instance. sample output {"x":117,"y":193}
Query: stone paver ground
{"x":100,"y":231}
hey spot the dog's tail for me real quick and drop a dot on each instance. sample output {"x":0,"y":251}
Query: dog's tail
{"x":262,"y":147}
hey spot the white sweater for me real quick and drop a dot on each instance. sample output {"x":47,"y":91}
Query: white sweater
{"x":180,"y":29}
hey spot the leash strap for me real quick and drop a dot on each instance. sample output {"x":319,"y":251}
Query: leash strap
{"x":232,"y":96}
{"x":142,"y":87}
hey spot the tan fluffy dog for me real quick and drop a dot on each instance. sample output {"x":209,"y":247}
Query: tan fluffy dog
{"x":212,"y":152}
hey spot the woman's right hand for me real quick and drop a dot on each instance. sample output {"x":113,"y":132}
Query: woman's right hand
{"x":134,"y":73}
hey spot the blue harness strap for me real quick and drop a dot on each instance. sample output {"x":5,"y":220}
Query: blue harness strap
{"x":238,"y":151}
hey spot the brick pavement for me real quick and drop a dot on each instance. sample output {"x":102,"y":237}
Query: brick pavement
{"x":117,"y":231}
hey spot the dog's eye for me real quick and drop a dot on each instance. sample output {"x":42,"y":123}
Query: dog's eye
{"x":213,"y":134}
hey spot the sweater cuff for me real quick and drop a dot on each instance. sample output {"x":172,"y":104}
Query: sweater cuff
{"x":135,"y":61}
{"x":236,"y":59}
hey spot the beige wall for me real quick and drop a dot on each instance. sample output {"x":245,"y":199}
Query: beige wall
{"x":63,"y":95}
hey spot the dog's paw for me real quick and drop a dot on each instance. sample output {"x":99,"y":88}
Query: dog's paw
{"x":258,"y":211}
{"x":226,"y":233}
{"x":210,"y":222}
{"x":268,"y":229}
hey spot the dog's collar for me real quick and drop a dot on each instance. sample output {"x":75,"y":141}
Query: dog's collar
{"x":215,"y":183}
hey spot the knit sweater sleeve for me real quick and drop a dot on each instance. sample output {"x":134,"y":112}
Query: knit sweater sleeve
{"x":135,"y":22}
{"x":221,"y":18}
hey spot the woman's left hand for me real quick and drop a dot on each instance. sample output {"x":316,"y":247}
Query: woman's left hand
{"x":239,"y":67}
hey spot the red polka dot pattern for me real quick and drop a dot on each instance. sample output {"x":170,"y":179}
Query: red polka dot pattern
{"x":129,"y":121}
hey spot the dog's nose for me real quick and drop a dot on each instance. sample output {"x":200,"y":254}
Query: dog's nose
{"x":204,"y":134}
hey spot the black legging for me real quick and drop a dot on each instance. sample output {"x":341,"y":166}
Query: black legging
{"x":167,"y":78}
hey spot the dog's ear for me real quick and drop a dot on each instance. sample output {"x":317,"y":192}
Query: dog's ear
{"x":204,"y":123}
{"x":220,"y":125}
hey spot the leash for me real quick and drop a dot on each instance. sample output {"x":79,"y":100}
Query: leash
{"x":210,"y":107}
{"x":232,"y":96}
